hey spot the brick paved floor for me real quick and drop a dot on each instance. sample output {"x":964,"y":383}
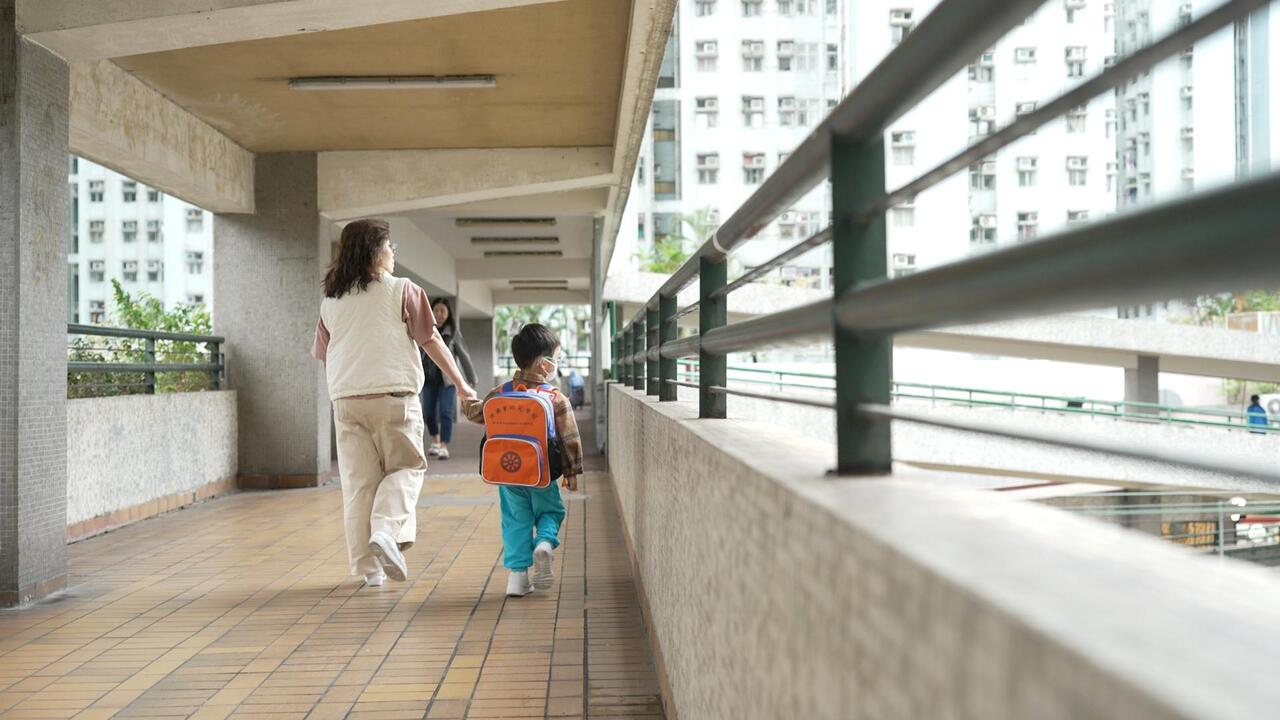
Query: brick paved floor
{"x":241,"y":607}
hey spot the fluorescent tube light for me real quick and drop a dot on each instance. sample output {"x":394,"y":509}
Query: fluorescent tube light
{"x":394,"y":82}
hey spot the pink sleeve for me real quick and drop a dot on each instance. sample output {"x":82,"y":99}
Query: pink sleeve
{"x":416,"y":312}
{"x":320,"y":346}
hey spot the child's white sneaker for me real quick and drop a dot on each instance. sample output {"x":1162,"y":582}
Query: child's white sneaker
{"x":375,"y":579}
{"x":543,"y":555}
{"x":442,"y":452}
{"x":518,"y":583}
{"x":434,"y":450}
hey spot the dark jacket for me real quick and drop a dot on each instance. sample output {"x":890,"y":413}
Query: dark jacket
{"x":453,"y":340}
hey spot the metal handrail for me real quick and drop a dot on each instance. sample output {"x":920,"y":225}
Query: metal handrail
{"x":1148,"y":255}
{"x":104,"y":331}
{"x":215,"y":367}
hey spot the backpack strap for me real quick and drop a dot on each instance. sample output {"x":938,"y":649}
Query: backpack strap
{"x":508,"y":386}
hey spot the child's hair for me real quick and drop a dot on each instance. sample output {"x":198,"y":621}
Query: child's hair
{"x":532,"y":343}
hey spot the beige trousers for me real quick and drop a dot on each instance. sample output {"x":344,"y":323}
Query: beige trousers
{"x":382,"y":464}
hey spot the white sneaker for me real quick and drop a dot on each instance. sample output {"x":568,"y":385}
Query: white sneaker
{"x":518,"y":583}
{"x":442,"y":452}
{"x":374,"y":579}
{"x":384,"y":547}
{"x":543,"y":555}
{"x":434,"y":450}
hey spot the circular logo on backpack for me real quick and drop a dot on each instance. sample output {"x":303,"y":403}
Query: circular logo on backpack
{"x":510,"y":462}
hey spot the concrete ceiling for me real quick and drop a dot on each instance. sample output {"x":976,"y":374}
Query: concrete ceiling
{"x":559,"y":69}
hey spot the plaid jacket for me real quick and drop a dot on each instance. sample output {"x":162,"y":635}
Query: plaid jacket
{"x":566,"y":424}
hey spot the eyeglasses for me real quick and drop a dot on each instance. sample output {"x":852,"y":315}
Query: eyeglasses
{"x":393,"y":246}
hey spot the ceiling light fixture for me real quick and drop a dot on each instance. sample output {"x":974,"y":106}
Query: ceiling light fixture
{"x":522,"y":253}
{"x":489,"y":240}
{"x":482,"y":221}
{"x":394,"y":82}
{"x":538,"y":282}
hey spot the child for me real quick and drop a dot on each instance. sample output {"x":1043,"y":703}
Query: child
{"x":529,"y":510}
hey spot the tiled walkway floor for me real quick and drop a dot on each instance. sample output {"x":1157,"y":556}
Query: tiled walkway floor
{"x":242,"y":607}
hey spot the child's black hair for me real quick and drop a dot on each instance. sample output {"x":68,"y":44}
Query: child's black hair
{"x":532,"y":343}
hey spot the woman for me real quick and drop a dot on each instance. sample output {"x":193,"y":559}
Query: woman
{"x":439,"y":396}
{"x":371,"y":326}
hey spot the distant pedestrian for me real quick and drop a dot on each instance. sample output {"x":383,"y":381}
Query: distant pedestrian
{"x":1257,"y":416}
{"x":439,"y":396}
{"x":577,"y":389}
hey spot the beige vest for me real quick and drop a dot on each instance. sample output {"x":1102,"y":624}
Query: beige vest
{"x":370,"y":350}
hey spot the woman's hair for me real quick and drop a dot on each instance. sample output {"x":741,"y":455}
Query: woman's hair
{"x":451,"y":323}
{"x":357,"y":250}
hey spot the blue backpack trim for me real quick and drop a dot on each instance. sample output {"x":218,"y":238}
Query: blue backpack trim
{"x":555,"y":449}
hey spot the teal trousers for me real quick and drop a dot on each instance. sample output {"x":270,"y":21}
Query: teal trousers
{"x":526,"y":513}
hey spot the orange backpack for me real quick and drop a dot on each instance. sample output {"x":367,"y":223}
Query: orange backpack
{"x":520,"y":446}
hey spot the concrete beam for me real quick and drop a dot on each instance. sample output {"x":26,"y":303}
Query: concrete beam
{"x":118,"y":121}
{"x":541,"y":297}
{"x":79,"y":30}
{"x":359,"y":183}
{"x":523,"y":269}
{"x":475,"y":299}
{"x":421,"y":255}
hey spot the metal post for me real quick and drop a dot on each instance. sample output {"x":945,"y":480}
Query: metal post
{"x":613,"y":343}
{"x":149,"y":377}
{"x":713,"y":370}
{"x":637,"y":347}
{"x":626,"y":354}
{"x":652,"y":326}
{"x":666,"y":367}
{"x":864,"y":365}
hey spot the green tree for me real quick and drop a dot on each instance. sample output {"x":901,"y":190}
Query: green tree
{"x":142,"y":312}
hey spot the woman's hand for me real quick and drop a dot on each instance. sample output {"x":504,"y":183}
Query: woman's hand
{"x":466,"y":392}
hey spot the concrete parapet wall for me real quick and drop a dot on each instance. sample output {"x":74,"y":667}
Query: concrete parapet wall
{"x":774,"y":591}
{"x":135,"y":456}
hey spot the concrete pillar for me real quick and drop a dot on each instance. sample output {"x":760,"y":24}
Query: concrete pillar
{"x":1142,"y":384}
{"x":479,"y":336}
{"x":267,"y":270}
{"x":33,"y":324}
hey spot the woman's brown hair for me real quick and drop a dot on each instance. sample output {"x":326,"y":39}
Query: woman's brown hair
{"x":357,"y":249}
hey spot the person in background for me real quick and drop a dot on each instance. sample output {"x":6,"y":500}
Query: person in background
{"x":439,"y":395}
{"x":1257,"y":416}
{"x":577,"y":389}
{"x":371,"y":326}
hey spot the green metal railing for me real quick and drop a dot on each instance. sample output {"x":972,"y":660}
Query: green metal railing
{"x":1184,"y":248}
{"x":122,"y":361}
{"x":786,"y":380}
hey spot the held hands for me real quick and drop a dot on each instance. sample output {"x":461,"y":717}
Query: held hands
{"x":570,"y":482}
{"x":466,"y":392}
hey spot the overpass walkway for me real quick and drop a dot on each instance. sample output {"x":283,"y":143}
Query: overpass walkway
{"x":241,"y":607}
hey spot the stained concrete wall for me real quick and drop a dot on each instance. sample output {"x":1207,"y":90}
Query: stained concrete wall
{"x":33,"y":301}
{"x":774,"y":591}
{"x":479,"y":336}
{"x":127,"y":451}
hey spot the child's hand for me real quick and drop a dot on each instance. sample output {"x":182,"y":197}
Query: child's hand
{"x":570,"y":482}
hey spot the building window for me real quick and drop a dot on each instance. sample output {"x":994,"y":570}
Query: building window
{"x":904,"y":215}
{"x":982,"y":120}
{"x":708,"y":168}
{"x":833,"y":6}
{"x":129,"y":230}
{"x":983,"y":230}
{"x":153,"y":195}
{"x":753,"y":111}
{"x":787,"y":111}
{"x":786,"y":53}
{"x":155,"y":268}
{"x":787,"y":225}
{"x":752,"y":55}
{"x":1022,"y":109}
{"x":1188,"y":179}
{"x":705,"y":8}
{"x":129,"y":189}
{"x":708,"y":54}
{"x":984,"y":70}
{"x":74,"y":164}
{"x":753,"y":168}
{"x":95,"y":190}
{"x":73,"y":192}
{"x":153,"y":231}
{"x":195,"y":299}
{"x":1077,"y":217}
{"x":1112,"y":167}
{"x":1111,"y":123}
{"x":903,"y":143}
{"x":751,"y":8}
{"x":1074,"y":8}
{"x":807,"y":223}
{"x":1077,"y":170}
{"x":97,"y":308}
{"x":786,"y":7}
{"x":707,"y":112}
{"x":96,"y":272}
{"x":195,"y":220}
{"x":1027,"y":171}
{"x":129,"y":271}
{"x":1025,"y":61}
{"x":901,"y":22}
{"x":1075,"y":61}
{"x":903,"y":264}
{"x":833,"y":57}
{"x":1028,"y":222}
{"x":96,"y":230}
{"x":982,"y":175}
{"x":1076,"y":119}
{"x":195,"y":262}
{"x":1108,"y":17}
